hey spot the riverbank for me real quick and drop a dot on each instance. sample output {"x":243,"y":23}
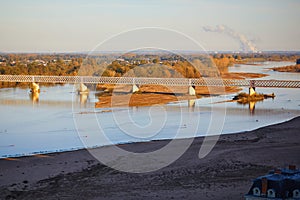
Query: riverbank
{"x":291,"y":68}
{"x":226,"y":173}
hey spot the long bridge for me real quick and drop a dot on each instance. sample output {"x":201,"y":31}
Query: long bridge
{"x":135,"y":81}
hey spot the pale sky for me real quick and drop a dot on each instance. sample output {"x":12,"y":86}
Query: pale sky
{"x":80,"y":25}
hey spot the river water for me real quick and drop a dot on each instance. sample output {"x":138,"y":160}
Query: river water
{"x":62,"y":120}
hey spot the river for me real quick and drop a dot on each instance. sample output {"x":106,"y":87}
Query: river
{"x":62,"y":120}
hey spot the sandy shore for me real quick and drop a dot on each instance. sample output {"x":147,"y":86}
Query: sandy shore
{"x":122,"y":96}
{"x":226,"y":173}
{"x":158,"y":94}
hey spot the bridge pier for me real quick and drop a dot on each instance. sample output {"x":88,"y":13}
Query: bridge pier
{"x":252,"y":88}
{"x":34,"y":88}
{"x":192,"y":90}
{"x":135,"y":88}
{"x":83,"y":88}
{"x":252,"y":91}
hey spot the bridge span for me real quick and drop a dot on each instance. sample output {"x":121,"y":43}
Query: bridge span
{"x":152,"y":81}
{"x":135,"y":81}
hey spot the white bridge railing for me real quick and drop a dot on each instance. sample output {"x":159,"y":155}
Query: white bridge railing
{"x":152,"y":81}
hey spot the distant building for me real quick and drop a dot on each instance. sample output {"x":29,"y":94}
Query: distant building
{"x":277,"y":185}
{"x":12,"y":63}
{"x":2,"y":62}
{"x":120,"y":59}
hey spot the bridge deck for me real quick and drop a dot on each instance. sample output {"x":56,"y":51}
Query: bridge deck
{"x":152,"y":81}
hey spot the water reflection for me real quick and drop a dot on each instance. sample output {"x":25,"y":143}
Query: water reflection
{"x":83,"y":98}
{"x":49,"y":97}
{"x":34,"y":97}
{"x":252,"y":107}
{"x":191,"y":104}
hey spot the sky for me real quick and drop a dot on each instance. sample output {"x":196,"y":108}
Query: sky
{"x":81,"y":25}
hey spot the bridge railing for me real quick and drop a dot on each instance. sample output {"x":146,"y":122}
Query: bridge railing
{"x":276,"y":83}
{"x":152,"y":81}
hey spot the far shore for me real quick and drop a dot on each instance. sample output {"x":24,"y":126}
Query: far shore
{"x":225,"y":173}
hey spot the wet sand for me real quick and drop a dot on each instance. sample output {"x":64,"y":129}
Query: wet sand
{"x":226,"y":173}
{"x":151,"y":95}
{"x":121,"y":95}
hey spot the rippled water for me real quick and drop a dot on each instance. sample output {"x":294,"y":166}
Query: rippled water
{"x":62,"y":120}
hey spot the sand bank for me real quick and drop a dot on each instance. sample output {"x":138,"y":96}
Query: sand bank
{"x":226,"y":173}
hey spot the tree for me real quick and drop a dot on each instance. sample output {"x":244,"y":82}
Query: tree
{"x":155,"y":60}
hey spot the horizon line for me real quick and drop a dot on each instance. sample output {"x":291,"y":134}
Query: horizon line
{"x":145,"y":51}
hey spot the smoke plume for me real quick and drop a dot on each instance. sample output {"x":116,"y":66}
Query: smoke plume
{"x":245,"y":44}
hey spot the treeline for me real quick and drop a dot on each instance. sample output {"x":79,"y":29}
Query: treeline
{"x":57,"y":69}
{"x":265,"y":56}
{"x":165,"y":65}
{"x":38,"y":64}
{"x":163,"y":69}
{"x":130,"y":64}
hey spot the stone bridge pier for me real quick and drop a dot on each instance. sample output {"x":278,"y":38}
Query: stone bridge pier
{"x":252,"y":88}
{"x":34,"y":87}
{"x":192,"y":90}
{"x":135,"y":88}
